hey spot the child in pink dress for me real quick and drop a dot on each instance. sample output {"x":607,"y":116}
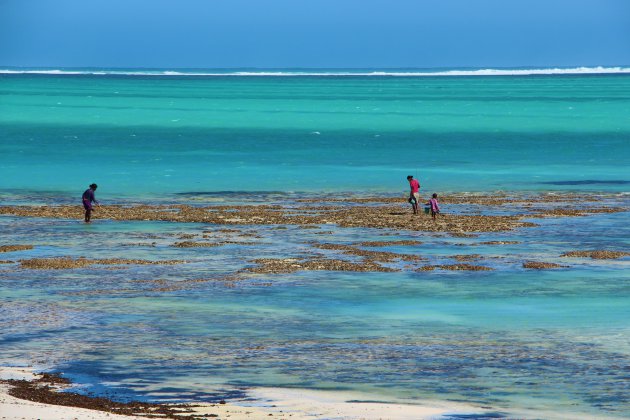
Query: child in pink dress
{"x":435,"y":206}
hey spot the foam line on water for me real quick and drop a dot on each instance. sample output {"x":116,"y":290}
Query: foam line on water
{"x":333,"y":73}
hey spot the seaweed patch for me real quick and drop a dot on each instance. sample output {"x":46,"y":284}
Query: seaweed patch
{"x":13,"y":248}
{"x":65,"y":263}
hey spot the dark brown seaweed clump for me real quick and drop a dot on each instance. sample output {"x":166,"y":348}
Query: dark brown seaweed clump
{"x":291,"y":265}
{"x":597,"y":254}
{"x":467,"y":257}
{"x":575,"y":212}
{"x":379,"y":217}
{"x":537,"y":265}
{"x":455,"y":267}
{"x":12,"y":248}
{"x":190,"y":244}
{"x":64,"y":263}
{"x":390,"y":243}
{"x":186,"y":236}
{"x":376,"y":256}
{"x":463,"y":235}
{"x":499,"y":243}
{"x":44,"y":390}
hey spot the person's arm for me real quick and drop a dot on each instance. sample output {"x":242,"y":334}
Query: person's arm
{"x":93,"y":197}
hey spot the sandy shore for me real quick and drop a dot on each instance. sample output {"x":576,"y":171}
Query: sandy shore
{"x":15,"y":408}
{"x":267,"y":402}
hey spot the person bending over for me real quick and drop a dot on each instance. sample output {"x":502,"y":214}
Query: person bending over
{"x":88,"y":199}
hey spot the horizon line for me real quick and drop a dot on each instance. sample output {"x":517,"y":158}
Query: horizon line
{"x":314,"y":72}
{"x":483,"y":67}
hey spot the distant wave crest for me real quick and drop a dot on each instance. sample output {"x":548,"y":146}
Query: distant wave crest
{"x":332,"y":73}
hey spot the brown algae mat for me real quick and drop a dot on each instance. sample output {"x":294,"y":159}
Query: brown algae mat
{"x":455,"y":267}
{"x":495,"y":199}
{"x":390,"y":243}
{"x":45,"y":390}
{"x":291,"y":265}
{"x":499,"y":243}
{"x":191,"y":244}
{"x":538,"y":265}
{"x":466,"y":257}
{"x":392,"y":217}
{"x":597,"y":254}
{"x":13,"y":248}
{"x":64,"y":263}
{"x":387,"y":212}
{"x":375,"y":256}
{"x":574,"y":212}
{"x":378,"y":212}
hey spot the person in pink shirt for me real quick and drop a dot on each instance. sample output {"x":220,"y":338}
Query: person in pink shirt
{"x":414,"y":194}
{"x":435,"y":206}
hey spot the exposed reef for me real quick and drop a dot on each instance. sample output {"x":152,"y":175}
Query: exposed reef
{"x":13,"y":248}
{"x":538,"y":265}
{"x":597,"y":254}
{"x":65,"y":263}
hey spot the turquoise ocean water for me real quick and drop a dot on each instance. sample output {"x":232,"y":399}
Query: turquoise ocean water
{"x":162,"y":135}
{"x":513,"y":341}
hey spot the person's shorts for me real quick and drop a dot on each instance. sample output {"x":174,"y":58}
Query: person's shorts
{"x":87,"y":205}
{"x":416,"y":196}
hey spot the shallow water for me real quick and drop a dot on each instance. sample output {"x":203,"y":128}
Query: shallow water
{"x":513,"y":340}
{"x":510,"y":339}
{"x":143,"y":136}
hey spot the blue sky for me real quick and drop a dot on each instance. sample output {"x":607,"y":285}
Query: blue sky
{"x":314,"y":33}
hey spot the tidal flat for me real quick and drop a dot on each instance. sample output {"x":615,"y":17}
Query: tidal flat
{"x":514,"y":305}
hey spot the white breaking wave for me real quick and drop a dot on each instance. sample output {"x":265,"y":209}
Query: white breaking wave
{"x":314,"y":73}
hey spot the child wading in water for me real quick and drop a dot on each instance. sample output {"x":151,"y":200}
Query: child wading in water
{"x":435,"y":206}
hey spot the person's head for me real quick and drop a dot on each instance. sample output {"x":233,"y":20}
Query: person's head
{"x":409,"y":177}
{"x":93,"y":186}
{"x":434,"y":195}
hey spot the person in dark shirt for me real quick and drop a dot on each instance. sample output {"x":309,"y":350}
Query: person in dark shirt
{"x":88,"y":199}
